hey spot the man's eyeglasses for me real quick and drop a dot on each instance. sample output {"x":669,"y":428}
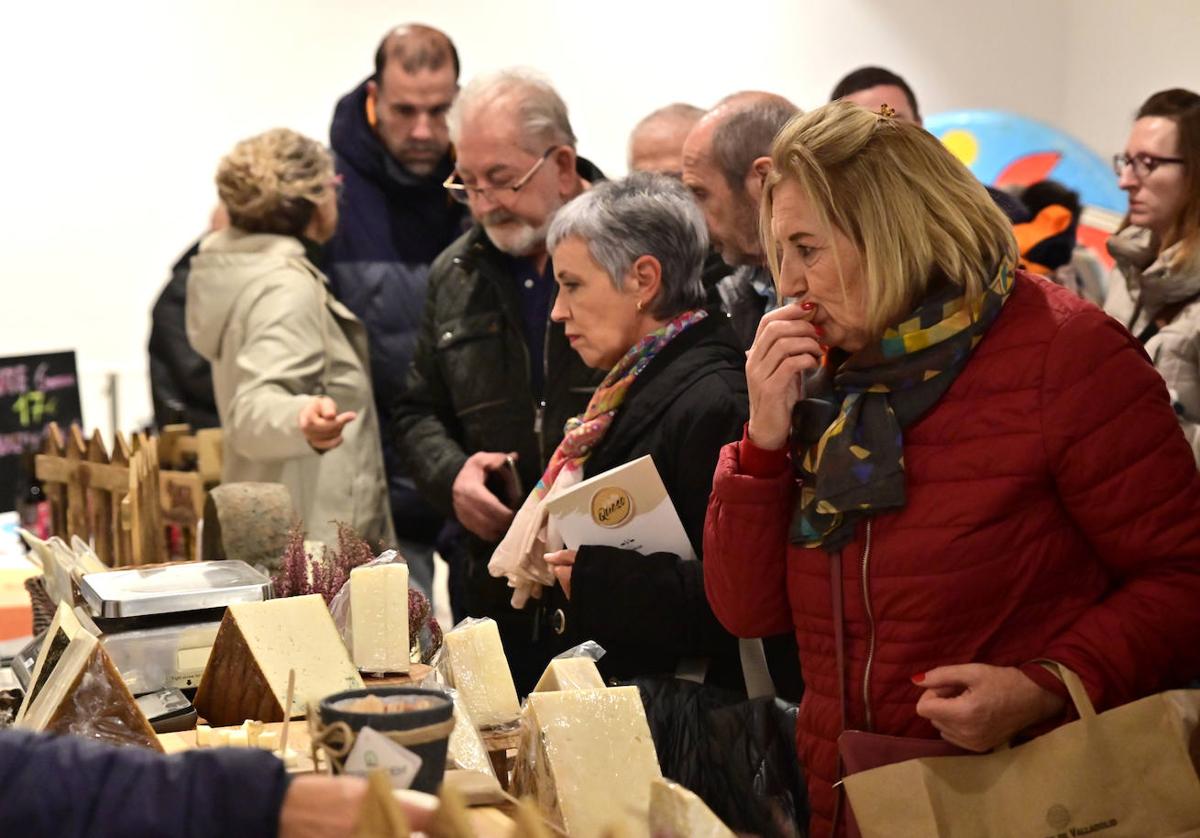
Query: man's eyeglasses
{"x":463,"y":194}
{"x":1143,"y":164}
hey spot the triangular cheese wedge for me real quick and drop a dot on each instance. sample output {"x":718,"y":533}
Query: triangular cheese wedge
{"x":86,"y":696}
{"x":570,"y":674}
{"x":257,"y":643}
{"x":586,"y":756}
{"x":676,"y":812}
{"x":62,"y":629}
{"x":480,"y":672}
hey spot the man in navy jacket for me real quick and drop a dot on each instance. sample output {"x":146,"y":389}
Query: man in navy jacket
{"x":393,"y":151}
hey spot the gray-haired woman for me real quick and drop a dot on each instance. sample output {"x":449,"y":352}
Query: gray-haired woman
{"x":627,"y":257}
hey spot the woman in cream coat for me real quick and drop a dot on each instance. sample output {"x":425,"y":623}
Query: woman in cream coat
{"x":290,"y":366}
{"x":1155,"y":286}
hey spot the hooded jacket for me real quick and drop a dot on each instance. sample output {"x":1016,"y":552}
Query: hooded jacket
{"x":1144,"y":288}
{"x":261,"y":313}
{"x":392,"y":224}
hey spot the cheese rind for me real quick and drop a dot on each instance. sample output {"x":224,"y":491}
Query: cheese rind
{"x":588,"y":759}
{"x":86,"y":696}
{"x":481,"y":674}
{"x":379,"y":617}
{"x":677,"y":812}
{"x":570,"y":674}
{"x":258,"y":642}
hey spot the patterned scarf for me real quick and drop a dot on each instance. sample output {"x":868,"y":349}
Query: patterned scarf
{"x":582,"y":433}
{"x":853,"y":465}
{"x":520,"y":555}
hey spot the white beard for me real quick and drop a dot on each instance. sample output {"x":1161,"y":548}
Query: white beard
{"x":516,"y":237}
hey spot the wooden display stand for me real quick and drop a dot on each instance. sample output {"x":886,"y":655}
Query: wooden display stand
{"x":123,"y":503}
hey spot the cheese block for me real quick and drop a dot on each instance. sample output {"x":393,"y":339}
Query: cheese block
{"x":570,"y":674}
{"x":63,"y":628}
{"x":587,"y":758}
{"x":480,"y":673}
{"x":86,"y":696}
{"x":676,"y":812}
{"x":466,"y":748}
{"x":379,"y":617}
{"x":257,"y":643}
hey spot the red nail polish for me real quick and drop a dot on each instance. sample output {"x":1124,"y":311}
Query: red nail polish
{"x":820,"y":332}
{"x":918,"y":678}
{"x":807,"y":306}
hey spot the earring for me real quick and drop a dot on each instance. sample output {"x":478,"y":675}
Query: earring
{"x":639,"y":305}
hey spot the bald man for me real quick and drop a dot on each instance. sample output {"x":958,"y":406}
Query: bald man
{"x":726,"y":156}
{"x":656,"y":143}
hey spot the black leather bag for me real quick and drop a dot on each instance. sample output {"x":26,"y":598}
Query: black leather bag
{"x":738,"y":755}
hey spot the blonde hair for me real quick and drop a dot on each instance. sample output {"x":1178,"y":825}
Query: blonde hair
{"x":272,"y":183}
{"x":911,"y":208}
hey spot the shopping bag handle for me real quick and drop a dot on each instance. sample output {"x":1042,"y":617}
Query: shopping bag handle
{"x":1079,"y":697}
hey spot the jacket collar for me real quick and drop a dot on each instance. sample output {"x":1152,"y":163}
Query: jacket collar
{"x":706,"y":348}
{"x":355,"y":142}
{"x":1151,"y":279}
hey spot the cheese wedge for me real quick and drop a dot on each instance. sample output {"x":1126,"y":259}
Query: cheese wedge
{"x":63,"y":628}
{"x":676,"y":812}
{"x":379,"y":617}
{"x":257,"y":643}
{"x":466,"y":748}
{"x":570,"y":674}
{"x":587,"y":758}
{"x":86,"y":696}
{"x":481,"y":674}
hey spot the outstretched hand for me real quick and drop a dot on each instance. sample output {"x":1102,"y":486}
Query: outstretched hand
{"x":321,"y":423}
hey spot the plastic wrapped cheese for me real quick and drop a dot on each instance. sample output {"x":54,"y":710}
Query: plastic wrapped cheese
{"x":587,"y":758}
{"x":676,"y":812}
{"x":85,"y":696}
{"x":570,"y":674}
{"x":379,"y":617}
{"x":466,"y":748}
{"x":478,"y":670}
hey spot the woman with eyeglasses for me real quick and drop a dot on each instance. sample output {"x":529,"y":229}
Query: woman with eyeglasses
{"x":290,"y":368}
{"x":1155,"y":286}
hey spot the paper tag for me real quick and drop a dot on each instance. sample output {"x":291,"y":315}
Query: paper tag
{"x":372,"y":751}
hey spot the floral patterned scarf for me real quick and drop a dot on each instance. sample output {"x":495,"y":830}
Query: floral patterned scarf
{"x":520,"y":555}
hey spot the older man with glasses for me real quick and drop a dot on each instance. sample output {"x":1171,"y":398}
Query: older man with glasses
{"x":493,"y":380}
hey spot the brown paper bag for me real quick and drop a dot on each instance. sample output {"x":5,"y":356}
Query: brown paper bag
{"x":1126,"y":772}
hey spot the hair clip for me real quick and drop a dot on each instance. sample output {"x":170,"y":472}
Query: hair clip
{"x":887,"y":112}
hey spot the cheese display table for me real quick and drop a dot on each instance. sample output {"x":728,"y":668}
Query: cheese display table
{"x":282,"y":675}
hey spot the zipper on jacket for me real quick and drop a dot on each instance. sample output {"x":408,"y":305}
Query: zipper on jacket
{"x":866,"y":589}
{"x":539,"y":405}
{"x":539,"y":410}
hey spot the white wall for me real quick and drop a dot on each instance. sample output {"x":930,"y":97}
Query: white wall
{"x":116,"y":113}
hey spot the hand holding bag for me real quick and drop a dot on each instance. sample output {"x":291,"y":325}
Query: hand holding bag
{"x":1126,"y":772}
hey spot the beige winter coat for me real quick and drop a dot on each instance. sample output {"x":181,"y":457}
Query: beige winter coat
{"x":1143,"y":286}
{"x":262,"y":314}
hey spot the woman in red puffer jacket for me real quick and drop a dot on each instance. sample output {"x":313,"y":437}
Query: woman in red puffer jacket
{"x":991,"y":463}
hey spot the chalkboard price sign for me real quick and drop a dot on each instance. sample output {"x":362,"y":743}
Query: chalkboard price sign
{"x":35,"y":390}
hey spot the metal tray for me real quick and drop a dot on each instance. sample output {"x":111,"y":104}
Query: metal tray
{"x":190,"y":586}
